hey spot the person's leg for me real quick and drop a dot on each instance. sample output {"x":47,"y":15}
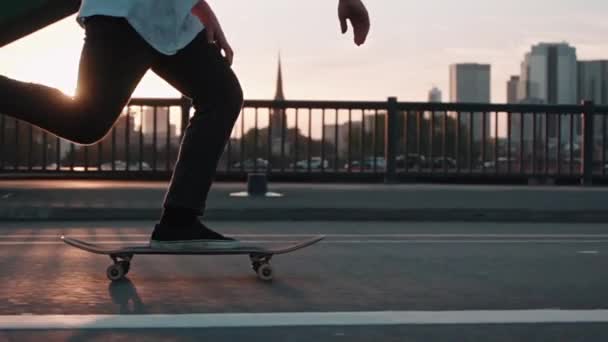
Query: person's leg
{"x":114,"y":59}
{"x":200,"y":72}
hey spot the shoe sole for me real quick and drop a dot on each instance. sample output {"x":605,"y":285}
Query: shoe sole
{"x":196,"y":244}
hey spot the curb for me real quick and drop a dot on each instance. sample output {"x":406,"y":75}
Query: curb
{"x":311,"y":214}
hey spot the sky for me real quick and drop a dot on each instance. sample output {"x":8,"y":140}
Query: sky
{"x":409,"y":50}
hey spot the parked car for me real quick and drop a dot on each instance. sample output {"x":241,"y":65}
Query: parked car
{"x":251,"y":164}
{"x":441,"y":162}
{"x":503,"y":162}
{"x":316,"y":163}
{"x":368,"y":164}
{"x":413,"y":161}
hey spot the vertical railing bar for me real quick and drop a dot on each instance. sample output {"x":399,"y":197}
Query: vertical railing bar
{"x":283,"y":136}
{"x":128,"y":139}
{"x":457,"y":144}
{"x":558,"y":159}
{"x":243,"y":112}
{"x":604,"y":144}
{"x":484,"y":138}
{"x":521,"y":143}
{"x":17,"y":129}
{"x":44,"y":150}
{"x":534,"y":143}
{"x":154,"y":139}
{"x":72,"y":156}
{"x":168,"y":139}
{"x":296,"y":144}
{"x":336,"y":142}
{"x":444,"y":134}
{"x":30,"y":147}
{"x":57,"y":153}
{"x":86,"y":158}
{"x":406,"y":114}
{"x":509,"y":122}
{"x":323,"y":139}
{"x":141,"y":138}
{"x":375,"y":139}
{"x":350,"y":140}
{"x":471,"y":137}
{"x":255,"y":139}
{"x":362,"y":147}
{"x":269,"y":138}
{"x":546,"y":156}
{"x":419,"y":138}
{"x":310,"y":140}
{"x":431,"y":140}
{"x":496,"y":142}
{"x":571,"y":143}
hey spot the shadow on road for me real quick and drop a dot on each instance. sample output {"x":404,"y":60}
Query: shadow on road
{"x":124,"y":292}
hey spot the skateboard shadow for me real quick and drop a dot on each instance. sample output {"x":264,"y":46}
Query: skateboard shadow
{"x":124,"y":293}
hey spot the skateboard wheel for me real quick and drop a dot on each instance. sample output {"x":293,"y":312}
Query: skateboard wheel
{"x":115,"y":271}
{"x":265,"y":272}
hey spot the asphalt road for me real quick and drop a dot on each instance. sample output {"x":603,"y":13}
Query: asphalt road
{"x":459,"y":271}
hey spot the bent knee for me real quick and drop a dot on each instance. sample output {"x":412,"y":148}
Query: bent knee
{"x":89,"y":135}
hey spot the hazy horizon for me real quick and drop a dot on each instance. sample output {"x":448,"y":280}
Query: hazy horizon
{"x":409,"y":50}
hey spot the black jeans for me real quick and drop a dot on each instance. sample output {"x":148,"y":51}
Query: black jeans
{"x":113,"y":61}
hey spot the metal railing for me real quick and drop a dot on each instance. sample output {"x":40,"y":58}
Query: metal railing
{"x":335,"y":141}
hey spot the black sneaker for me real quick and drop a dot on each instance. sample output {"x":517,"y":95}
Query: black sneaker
{"x":194,"y":236}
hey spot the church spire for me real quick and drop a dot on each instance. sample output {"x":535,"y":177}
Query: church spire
{"x":279,"y":95}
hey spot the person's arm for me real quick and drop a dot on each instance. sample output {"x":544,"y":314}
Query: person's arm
{"x":355,"y":11}
{"x":215,"y":34}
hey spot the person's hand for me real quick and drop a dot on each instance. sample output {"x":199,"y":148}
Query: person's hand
{"x":355,"y":11}
{"x":214,"y":31}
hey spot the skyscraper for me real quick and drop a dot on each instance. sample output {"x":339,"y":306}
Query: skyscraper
{"x":549,"y":75}
{"x":512,"y":86}
{"x":593,"y":81}
{"x":593,"y":86}
{"x":435,"y":95}
{"x":470,"y":83}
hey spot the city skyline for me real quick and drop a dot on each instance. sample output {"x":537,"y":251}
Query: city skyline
{"x":322,"y":64}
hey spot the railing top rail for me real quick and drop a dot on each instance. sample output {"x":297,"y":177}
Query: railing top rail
{"x":317,"y":104}
{"x":601,"y":109}
{"x":486,"y":107}
{"x":383,"y":105}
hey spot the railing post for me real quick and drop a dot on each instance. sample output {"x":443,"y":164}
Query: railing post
{"x":587,"y":148}
{"x":390,"y":140}
{"x":186,"y":105}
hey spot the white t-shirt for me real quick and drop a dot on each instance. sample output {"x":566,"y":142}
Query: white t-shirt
{"x":167,"y":25}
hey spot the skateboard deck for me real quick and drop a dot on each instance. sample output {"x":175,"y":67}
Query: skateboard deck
{"x":122,"y":256}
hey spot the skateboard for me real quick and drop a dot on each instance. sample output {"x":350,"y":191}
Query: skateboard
{"x":122,"y":256}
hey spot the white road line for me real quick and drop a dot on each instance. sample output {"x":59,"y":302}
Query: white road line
{"x":588,"y":252}
{"x":372,"y":318}
{"x":336,"y":242}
